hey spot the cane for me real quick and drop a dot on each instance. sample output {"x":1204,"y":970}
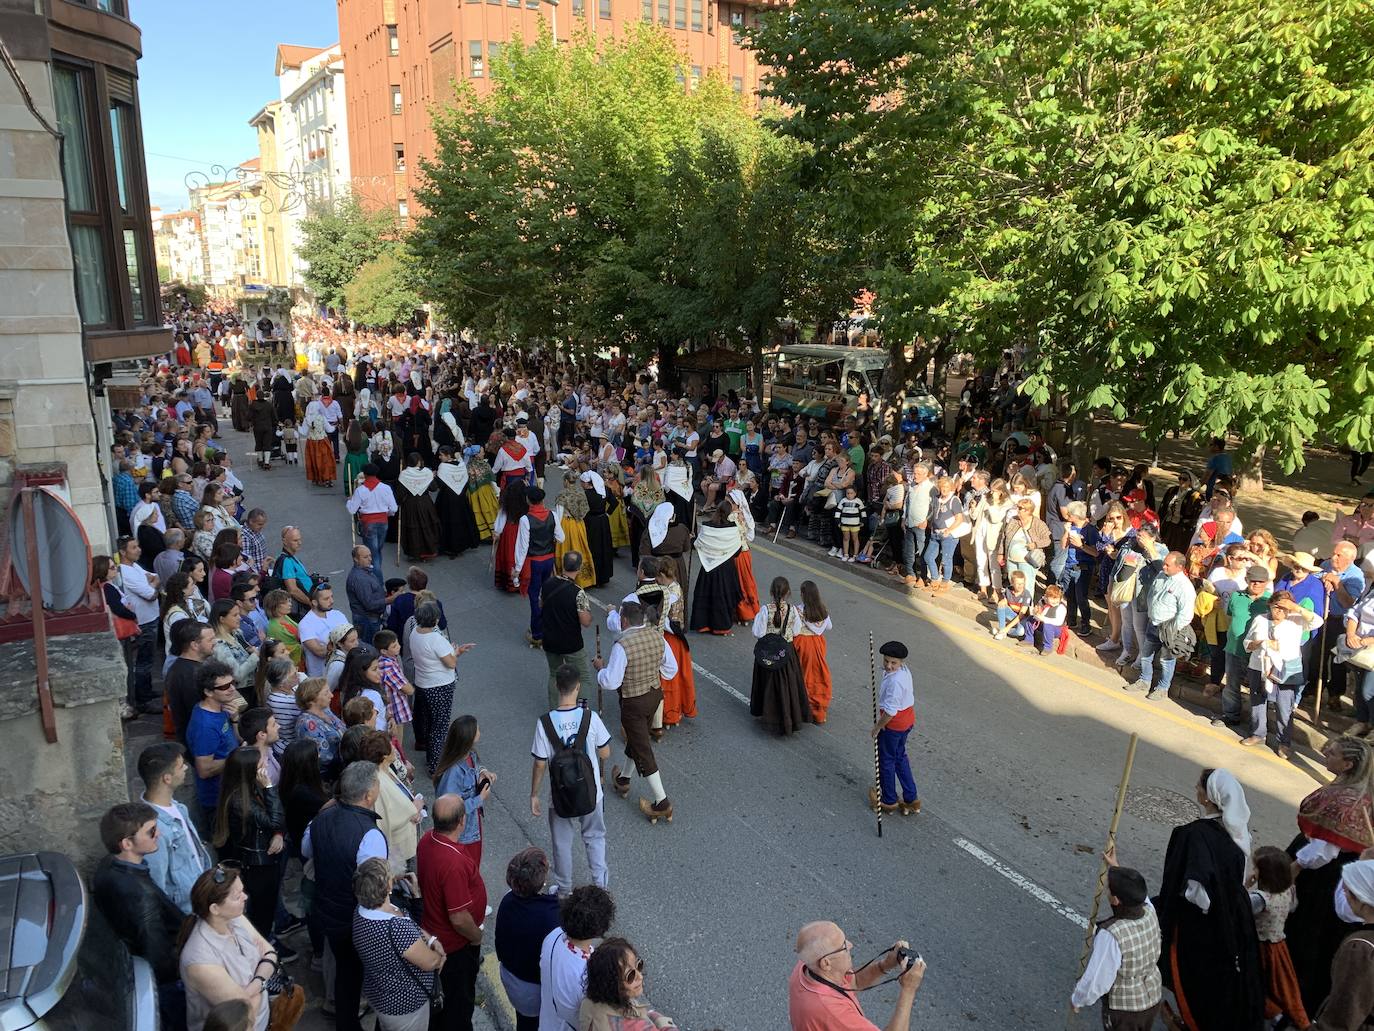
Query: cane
{"x":398,"y":540}
{"x":598,"y":659}
{"x":1102,"y":871}
{"x":877,"y":775}
{"x":1321,"y":660}
{"x":352,"y":520}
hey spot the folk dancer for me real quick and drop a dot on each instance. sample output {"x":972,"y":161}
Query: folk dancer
{"x":896,"y":717}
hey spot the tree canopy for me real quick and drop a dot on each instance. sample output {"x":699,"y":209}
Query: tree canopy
{"x":382,"y":291}
{"x":338,"y":239}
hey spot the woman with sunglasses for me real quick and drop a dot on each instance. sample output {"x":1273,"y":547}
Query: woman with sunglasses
{"x":615,"y":992}
{"x":223,"y":957}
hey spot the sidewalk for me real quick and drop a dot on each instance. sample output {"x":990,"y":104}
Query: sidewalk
{"x":1308,"y":739}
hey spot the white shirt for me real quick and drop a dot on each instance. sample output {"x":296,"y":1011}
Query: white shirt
{"x":331,"y":413}
{"x":522,"y":541}
{"x":1100,"y":973}
{"x":428,"y":649}
{"x":1288,"y":634}
{"x":139,"y":594}
{"x":566,"y":723}
{"x":561,"y":970}
{"x":613,"y":674}
{"x":504,"y":463}
{"x":765,"y":623}
{"x":366,"y":500}
{"x":314,"y":627}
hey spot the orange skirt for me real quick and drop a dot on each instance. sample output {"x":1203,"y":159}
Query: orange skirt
{"x":680,"y":693}
{"x":319,"y":462}
{"x":815,"y":669}
{"x":748,"y":590}
{"x":1281,"y":993}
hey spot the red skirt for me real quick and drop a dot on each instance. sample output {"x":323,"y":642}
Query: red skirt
{"x":680,"y":693}
{"x":505,"y":558}
{"x":1281,"y":993}
{"x":815,"y":669}
{"x":319,"y":462}
{"x":748,"y":590}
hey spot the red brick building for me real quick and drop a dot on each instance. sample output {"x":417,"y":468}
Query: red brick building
{"x":400,"y":55}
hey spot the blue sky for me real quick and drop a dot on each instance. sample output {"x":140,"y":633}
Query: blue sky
{"x":206,"y":69}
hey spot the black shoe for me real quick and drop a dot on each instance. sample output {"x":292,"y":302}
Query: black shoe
{"x":292,"y":925}
{"x":285,"y":953}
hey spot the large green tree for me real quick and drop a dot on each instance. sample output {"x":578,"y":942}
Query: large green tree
{"x":338,"y":239}
{"x":382,"y":293}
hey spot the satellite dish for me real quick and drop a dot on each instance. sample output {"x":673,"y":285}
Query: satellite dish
{"x":64,"y":553}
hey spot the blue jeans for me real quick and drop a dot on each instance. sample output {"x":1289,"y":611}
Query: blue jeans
{"x":1237,"y":673}
{"x":943,"y":548}
{"x":913,"y":547}
{"x":1286,"y":696}
{"x":1048,"y":635}
{"x":141,"y":684}
{"x":1077,"y":583}
{"x":894,"y":766}
{"x":1364,"y":692}
{"x":367,"y":628}
{"x":374,"y":536}
{"x":540,"y":570}
{"x":1005,"y":616}
{"x":1149,"y":645}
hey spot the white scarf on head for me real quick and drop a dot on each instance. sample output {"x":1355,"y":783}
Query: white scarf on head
{"x":658,"y":523}
{"x":1358,"y":878}
{"x":743,"y":516}
{"x":594,"y":478}
{"x":1225,"y":792}
{"x":383,"y":444}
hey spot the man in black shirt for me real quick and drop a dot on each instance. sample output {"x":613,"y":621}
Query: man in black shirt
{"x":192,"y":642}
{"x":566,"y":610}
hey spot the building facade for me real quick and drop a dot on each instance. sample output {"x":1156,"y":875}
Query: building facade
{"x":176,"y":236}
{"x":402,"y":57}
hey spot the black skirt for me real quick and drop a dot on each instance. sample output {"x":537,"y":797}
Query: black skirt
{"x":599,"y":537}
{"x":457,"y":525}
{"x":716,"y":599}
{"x":777,"y":697}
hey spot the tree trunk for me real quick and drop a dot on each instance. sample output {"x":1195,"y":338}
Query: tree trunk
{"x":756,"y":352}
{"x":1081,"y":442}
{"x":668,"y":376}
{"x":1250,"y":474}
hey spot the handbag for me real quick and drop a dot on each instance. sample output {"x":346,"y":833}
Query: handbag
{"x":770,"y":651}
{"x":1036,"y":557}
{"x":286,"y":1000}
{"x":1360,"y":658}
{"x":124,"y":627}
{"x":435,"y":995}
{"x":408,"y":903}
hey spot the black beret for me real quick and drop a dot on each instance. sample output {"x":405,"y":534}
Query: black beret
{"x":893,"y":649}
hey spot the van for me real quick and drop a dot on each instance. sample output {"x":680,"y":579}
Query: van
{"x":825,"y":381}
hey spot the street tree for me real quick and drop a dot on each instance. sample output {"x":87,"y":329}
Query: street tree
{"x":339,"y":237}
{"x":382,"y":293}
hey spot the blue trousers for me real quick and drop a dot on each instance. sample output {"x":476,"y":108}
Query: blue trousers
{"x":1285,"y":696}
{"x":941,"y":548}
{"x":367,"y":628}
{"x":144,"y":653}
{"x":1149,"y":645}
{"x":894,"y":766}
{"x":374,"y":536}
{"x":913,"y":547}
{"x":541,"y":569}
{"x":1077,"y":583}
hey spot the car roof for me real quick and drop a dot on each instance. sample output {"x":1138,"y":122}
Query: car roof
{"x":835,"y":352}
{"x":43,"y":910}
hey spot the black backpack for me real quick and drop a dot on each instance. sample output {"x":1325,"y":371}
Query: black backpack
{"x":572,"y":779}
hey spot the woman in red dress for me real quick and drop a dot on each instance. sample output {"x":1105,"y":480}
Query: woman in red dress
{"x":514,"y":504}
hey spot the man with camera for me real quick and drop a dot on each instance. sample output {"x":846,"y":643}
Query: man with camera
{"x":823,"y":991}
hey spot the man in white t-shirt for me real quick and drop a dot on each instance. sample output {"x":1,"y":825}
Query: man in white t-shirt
{"x":567,"y":720}
{"x":315,"y":627}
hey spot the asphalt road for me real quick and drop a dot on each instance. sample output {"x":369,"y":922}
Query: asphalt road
{"x":1017,"y":758}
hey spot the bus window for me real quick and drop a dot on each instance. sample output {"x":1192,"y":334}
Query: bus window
{"x":855,"y":384}
{"x":828,"y":375}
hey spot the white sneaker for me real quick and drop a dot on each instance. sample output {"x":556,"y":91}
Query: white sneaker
{"x":833,"y":552}
{"x":1109,"y":646}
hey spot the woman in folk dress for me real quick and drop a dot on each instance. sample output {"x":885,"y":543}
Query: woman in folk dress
{"x":811,"y":650}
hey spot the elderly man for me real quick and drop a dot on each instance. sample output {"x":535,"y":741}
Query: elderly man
{"x":170,"y":558}
{"x":1343,"y":582}
{"x":920,"y":496}
{"x":455,"y":903}
{"x":822,"y":991}
{"x":1169,"y":611}
{"x":366,"y":594}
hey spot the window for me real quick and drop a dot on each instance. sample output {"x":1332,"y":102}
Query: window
{"x":647,"y":11}
{"x":400,"y":152}
{"x":579,"y":8}
{"x":475,"y":66}
{"x":514,"y":3}
{"x":737,"y":84}
{"x":393,"y":41}
{"x":681,"y":77}
{"x":696,"y":75}
{"x":663,"y":12}
{"x":493,"y":52}
{"x":533,"y":5}
{"x":395,"y":100}
{"x":736,"y":23}
{"x":70,"y":88}
{"x":603,"y":9}
{"x":696,"y":15}
{"x":679,"y":14}
{"x":711,"y":18}
{"x":403,"y":211}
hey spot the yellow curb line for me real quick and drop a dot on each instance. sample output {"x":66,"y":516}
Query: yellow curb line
{"x":496,"y":995}
{"x":1118,"y":695}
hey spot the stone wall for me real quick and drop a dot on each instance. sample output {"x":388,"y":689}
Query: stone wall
{"x":45,"y":404}
{"x":53,"y":795}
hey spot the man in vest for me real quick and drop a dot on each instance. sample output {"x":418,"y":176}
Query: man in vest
{"x":638,"y":663}
{"x":648,"y":593}
{"x":534,"y":550}
{"x":1124,"y":965}
{"x":565,"y":610}
{"x":339,"y":839}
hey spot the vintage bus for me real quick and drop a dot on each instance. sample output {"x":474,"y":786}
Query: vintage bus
{"x":825,"y":381}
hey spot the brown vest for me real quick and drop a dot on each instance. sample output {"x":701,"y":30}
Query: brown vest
{"x":643,"y":656}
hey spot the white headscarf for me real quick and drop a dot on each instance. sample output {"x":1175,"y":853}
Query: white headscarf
{"x":742,"y":514}
{"x":1225,"y":792}
{"x":1358,"y":879}
{"x":658,"y":523}
{"x":594,"y":478}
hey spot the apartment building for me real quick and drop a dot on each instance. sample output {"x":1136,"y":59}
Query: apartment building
{"x":176,"y":237}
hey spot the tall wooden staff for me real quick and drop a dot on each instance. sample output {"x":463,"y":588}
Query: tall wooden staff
{"x":598,"y":659}
{"x":1102,"y":871}
{"x":1321,"y":658}
{"x":877,"y":775}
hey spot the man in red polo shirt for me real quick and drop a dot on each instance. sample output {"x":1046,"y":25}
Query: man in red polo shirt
{"x":455,"y":905}
{"x":822,"y":993}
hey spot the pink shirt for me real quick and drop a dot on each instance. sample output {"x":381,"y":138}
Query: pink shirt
{"x":815,"y":1006}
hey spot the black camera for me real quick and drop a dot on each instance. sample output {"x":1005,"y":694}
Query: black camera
{"x":910,"y":956}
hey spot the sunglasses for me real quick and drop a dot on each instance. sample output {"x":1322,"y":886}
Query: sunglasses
{"x":225,"y":871}
{"x":635,"y":972}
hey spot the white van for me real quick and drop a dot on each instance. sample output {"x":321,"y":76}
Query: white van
{"x":825,"y":380}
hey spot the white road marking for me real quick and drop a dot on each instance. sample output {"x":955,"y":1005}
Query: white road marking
{"x":1025,"y":884}
{"x":695,"y":665}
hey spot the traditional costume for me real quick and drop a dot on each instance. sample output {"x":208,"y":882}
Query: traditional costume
{"x":715,"y":599}
{"x":513,"y":461}
{"x":615,"y":511}
{"x":1123,"y":969}
{"x":896,"y":705}
{"x":744,"y":564}
{"x":680,"y":690}
{"x":382,"y":448}
{"x":457,"y":527}
{"x":373,"y":504}
{"x":536,"y":541}
{"x":1334,"y":821}
{"x":677,"y":488}
{"x":598,"y":527}
{"x":777,"y":697}
{"x":319,"y":458}
{"x":353,"y":467}
{"x":570,"y":509}
{"x":238,"y":404}
{"x":638,"y":664}
{"x":417,"y":521}
{"x":811,"y":656}
{"x":504,"y":568}
{"x":1351,"y":1002}
{"x":481,"y":491}
{"x":646,"y":496}
{"x":668,"y":540}
{"x":1210,"y":956}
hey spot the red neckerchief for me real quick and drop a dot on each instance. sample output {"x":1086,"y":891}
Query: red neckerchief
{"x":538,"y":511}
{"x":370,"y":482}
{"x":514,"y":448}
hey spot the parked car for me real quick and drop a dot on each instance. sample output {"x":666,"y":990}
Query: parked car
{"x":65,"y":969}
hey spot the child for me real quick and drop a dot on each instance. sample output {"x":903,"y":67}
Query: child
{"x":290,"y":443}
{"x":360,"y":710}
{"x":809,"y":644}
{"x":1014,"y":607}
{"x":850,"y":513}
{"x":397,"y":688}
{"x":1272,"y":897}
{"x":896,"y":717}
{"x":1049,"y":618}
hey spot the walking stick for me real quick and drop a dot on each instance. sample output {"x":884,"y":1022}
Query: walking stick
{"x":1102,"y":871}
{"x":598,"y":659}
{"x":352,"y":520}
{"x":877,"y":776}
{"x":1321,"y":661}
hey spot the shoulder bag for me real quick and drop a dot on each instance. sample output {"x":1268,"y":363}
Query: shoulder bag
{"x":436,"y":995}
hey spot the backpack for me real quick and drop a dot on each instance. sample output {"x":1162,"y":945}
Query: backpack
{"x":572,"y":780}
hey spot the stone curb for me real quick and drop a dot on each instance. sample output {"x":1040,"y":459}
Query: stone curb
{"x":1185,"y":690}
